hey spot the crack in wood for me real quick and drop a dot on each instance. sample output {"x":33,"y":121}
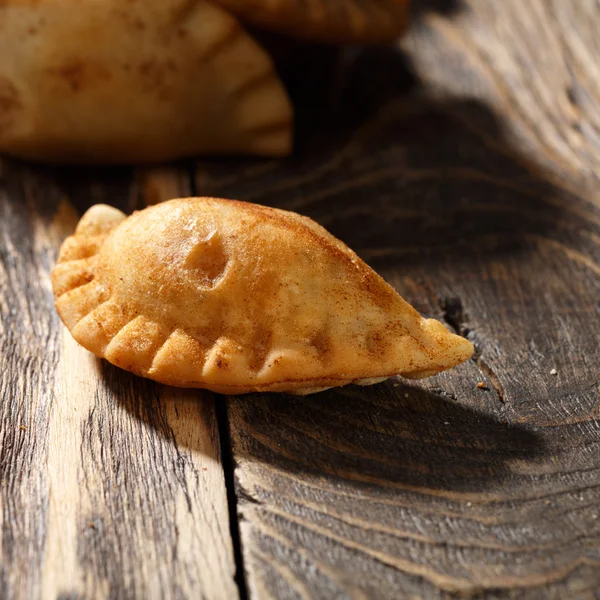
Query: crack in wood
{"x":234,"y":494}
{"x":491,"y":376}
{"x":454,"y":315}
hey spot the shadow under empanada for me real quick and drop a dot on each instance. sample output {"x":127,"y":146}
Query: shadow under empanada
{"x":392,"y":434}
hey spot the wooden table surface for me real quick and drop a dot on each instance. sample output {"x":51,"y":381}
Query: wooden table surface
{"x":462,"y":165}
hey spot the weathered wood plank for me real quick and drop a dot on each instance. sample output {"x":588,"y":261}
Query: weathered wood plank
{"x":535,"y":63}
{"x":472,"y":196}
{"x":111,"y":486}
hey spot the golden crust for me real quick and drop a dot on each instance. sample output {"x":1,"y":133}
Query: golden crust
{"x":122,"y":82}
{"x":329,"y":21}
{"x":236,"y":297}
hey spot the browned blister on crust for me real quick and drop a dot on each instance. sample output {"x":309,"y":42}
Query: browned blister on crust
{"x":329,"y":21}
{"x":124,"y":82}
{"x":236,"y":297}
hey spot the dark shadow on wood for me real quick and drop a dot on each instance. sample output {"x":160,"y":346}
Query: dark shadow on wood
{"x":88,"y":185}
{"x":443,"y":7}
{"x":85,"y":185}
{"x":395,"y":172}
{"x":386,"y":435}
{"x":82,"y":186}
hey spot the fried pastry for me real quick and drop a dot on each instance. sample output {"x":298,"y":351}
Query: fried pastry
{"x":329,"y":21}
{"x":237,"y":297}
{"x":140,"y":81}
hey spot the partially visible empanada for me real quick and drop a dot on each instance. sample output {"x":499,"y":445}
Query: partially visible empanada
{"x":329,"y":21}
{"x":236,"y":297}
{"x":120,"y":82}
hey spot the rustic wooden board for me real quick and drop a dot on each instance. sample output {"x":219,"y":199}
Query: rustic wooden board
{"x":462,"y":167}
{"x":110,"y":486}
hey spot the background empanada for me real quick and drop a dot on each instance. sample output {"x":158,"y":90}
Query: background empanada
{"x":236,"y":297}
{"x":113,"y":81}
{"x":332,"y":21}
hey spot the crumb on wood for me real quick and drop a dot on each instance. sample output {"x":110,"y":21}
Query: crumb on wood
{"x":482,"y":385}
{"x":22,"y":427}
{"x":553,"y":372}
{"x":406,"y":395}
{"x":92,"y":525}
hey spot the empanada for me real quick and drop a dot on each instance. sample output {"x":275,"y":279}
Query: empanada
{"x":117,"y":81}
{"x":329,"y":21}
{"x":237,"y":297}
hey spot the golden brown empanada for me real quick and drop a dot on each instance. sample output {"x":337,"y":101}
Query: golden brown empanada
{"x":118,"y":81}
{"x":236,"y":297}
{"x":329,"y":21}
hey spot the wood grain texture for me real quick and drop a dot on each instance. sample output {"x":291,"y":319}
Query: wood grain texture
{"x":462,"y":167}
{"x":110,"y":486}
{"x":535,"y":63}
